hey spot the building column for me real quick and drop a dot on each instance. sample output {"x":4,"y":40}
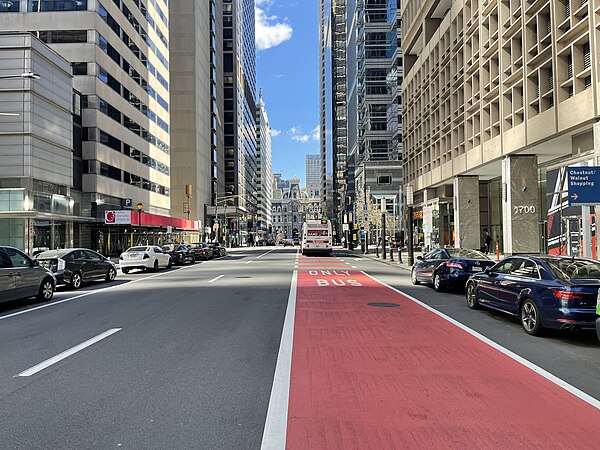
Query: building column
{"x":467,"y":232}
{"x":520,"y":195}
{"x":597,"y":163}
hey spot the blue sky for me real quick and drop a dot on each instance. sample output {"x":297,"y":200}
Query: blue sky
{"x":287,"y":41}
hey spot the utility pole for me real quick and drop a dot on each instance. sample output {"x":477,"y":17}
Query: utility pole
{"x":383,"y":208}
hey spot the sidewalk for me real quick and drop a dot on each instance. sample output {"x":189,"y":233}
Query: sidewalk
{"x":396,"y":261}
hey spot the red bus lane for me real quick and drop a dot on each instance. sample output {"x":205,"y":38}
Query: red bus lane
{"x":397,"y":377}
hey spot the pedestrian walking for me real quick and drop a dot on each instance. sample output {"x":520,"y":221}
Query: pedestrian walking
{"x":488,"y":242}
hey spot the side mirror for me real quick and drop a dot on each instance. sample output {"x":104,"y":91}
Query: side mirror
{"x":35,"y":263}
{"x":420,"y":258}
{"x":488,"y":270}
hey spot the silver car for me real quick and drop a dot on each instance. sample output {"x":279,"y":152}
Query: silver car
{"x":23,"y":277}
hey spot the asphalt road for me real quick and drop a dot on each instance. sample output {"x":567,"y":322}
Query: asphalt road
{"x":185,"y":358}
{"x":191,"y":366}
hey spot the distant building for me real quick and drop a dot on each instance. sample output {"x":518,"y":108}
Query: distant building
{"x":265,"y":169}
{"x":313,"y":175}
{"x":290,"y":207}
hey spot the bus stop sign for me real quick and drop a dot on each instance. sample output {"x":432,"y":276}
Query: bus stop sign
{"x":583,"y":185}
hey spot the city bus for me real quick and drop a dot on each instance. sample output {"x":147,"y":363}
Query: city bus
{"x":317,"y":237}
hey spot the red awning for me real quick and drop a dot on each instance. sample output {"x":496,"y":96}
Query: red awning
{"x":155,"y":220}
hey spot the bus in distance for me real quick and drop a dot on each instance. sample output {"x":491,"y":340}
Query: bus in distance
{"x":317,"y":237}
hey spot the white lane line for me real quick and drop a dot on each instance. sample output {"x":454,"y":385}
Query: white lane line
{"x":50,"y":361}
{"x":537,"y":369}
{"x":96,"y":291}
{"x":216,"y":278}
{"x":260,"y":256}
{"x":274,"y":435}
{"x":354,"y":267}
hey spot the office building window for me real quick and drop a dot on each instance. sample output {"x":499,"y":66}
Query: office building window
{"x":62,"y":36}
{"x":56,"y":5}
{"x":9,"y":5}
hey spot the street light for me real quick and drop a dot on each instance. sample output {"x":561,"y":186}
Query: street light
{"x":27,"y":75}
{"x":409,"y":204}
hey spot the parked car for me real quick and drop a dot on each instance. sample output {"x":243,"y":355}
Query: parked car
{"x":218,"y":249}
{"x":286,"y":242}
{"x":23,"y":277}
{"x":180,"y":254}
{"x":144,"y":257}
{"x":210,"y":254}
{"x":200,"y":252}
{"x":75,"y":266}
{"x":598,"y":314}
{"x":544,"y":292}
{"x":448,"y":267}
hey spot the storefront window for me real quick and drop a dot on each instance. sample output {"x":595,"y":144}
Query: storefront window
{"x":12,"y":199}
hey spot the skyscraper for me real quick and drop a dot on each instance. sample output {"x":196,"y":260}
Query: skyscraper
{"x":239,"y":72}
{"x":119,"y":52}
{"x":313,"y":175}
{"x":196,"y":106}
{"x":374,"y":62}
{"x":326,"y":105}
{"x":265,"y":169}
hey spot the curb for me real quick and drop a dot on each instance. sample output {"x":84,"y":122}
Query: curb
{"x":395,"y":263}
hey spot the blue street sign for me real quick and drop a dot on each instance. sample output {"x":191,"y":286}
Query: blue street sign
{"x":583,"y":185}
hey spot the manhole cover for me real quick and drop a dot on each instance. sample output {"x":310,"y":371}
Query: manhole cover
{"x":383,"y":304}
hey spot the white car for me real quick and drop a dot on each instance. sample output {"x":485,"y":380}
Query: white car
{"x":148,"y":257}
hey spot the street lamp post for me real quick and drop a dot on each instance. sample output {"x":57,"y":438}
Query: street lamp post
{"x":409,"y":204}
{"x":383,"y":208}
{"x":26,"y":75}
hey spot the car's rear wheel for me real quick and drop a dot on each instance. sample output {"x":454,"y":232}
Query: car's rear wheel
{"x":111,"y":274}
{"x":46,"y":291}
{"x":413,"y":277}
{"x":76,"y":280}
{"x":437,"y":282}
{"x":530,"y":318}
{"x":472,"y":301}
{"x":155,"y":267}
{"x":125,"y":270}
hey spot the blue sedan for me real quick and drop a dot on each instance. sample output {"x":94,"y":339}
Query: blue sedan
{"x":544,"y":292}
{"x":448,"y":267}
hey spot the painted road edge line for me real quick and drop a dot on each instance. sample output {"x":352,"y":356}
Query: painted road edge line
{"x":535,"y":368}
{"x":274,"y":434}
{"x":51,"y":361}
{"x":216,"y":278}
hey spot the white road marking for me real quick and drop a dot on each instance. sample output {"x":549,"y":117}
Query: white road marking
{"x":216,"y":278}
{"x":274,"y":435}
{"x":260,"y":256}
{"x":97,"y":291}
{"x":537,"y":369}
{"x":354,"y":267}
{"x":50,"y":361}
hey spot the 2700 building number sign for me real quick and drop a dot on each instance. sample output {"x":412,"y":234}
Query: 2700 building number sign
{"x":524,"y":209}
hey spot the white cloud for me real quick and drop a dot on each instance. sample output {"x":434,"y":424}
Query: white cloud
{"x":316,"y":131}
{"x":270,"y":30}
{"x":297,"y":135}
{"x":275,"y":133}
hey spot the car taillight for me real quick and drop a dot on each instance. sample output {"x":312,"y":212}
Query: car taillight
{"x":563,"y":294}
{"x":454,"y":265}
{"x":146,"y":256}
